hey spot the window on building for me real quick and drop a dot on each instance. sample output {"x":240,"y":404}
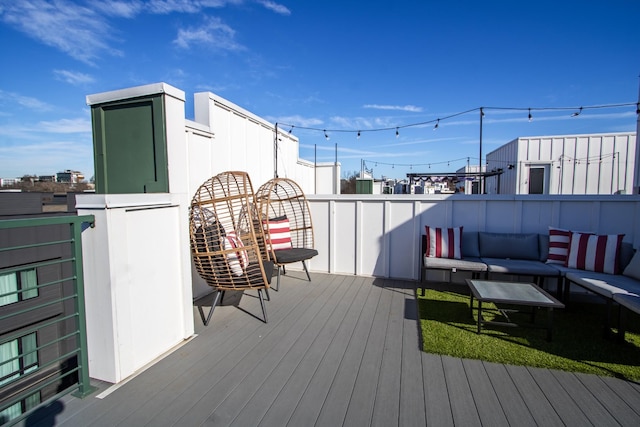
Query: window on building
{"x":18,"y":286}
{"x":19,"y":357}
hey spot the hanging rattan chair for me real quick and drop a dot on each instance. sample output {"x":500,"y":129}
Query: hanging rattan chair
{"x":286,"y":220}
{"x":224,"y":246}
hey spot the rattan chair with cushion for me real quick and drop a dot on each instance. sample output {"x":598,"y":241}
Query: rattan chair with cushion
{"x":286,"y":220}
{"x":224,"y":248}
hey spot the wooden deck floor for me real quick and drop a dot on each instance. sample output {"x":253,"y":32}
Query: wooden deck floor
{"x":342,"y":350}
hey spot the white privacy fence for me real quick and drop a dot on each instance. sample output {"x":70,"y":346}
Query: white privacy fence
{"x":380,"y":235}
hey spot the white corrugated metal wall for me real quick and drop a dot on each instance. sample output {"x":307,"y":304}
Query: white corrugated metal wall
{"x":572,"y":164}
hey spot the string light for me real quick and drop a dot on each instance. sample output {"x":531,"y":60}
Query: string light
{"x":436,"y":122}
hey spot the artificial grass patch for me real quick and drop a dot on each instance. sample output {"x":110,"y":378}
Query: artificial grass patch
{"x":578,"y":344}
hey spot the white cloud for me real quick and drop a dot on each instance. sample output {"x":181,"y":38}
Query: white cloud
{"x":357,"y":123}
{"x":124,"y":9}
{"x":409,"y":108}
{"x":299,"y":121}
{"x":214,"y":33}
{"x":24,"y":101}
{"x":65,"y":126}
{"x":275,"y":7}
{"x":72,"y":77}
{"x":76,"y":30}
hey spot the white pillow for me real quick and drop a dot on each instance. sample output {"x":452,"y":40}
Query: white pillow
{"x":633,"y":268}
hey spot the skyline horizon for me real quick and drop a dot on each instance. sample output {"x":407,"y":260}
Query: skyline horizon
{"x":330,"y":65}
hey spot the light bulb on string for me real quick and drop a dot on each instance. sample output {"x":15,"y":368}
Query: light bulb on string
{"x":326,"y":136}
{"x":397,"y":133}
{"x":291,"y":130}
{"x":358,"y":134}
{"x":437,"y":125}
{"x":530,"y":116}
{"x":577,"y":113}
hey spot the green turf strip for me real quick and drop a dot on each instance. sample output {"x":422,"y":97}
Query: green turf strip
{"x":578,"y":344}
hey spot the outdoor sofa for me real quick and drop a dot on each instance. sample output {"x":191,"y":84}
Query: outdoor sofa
{"x":562,"y":255}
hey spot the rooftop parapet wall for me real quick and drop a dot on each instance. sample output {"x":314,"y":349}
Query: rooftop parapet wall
{"x":379,"y":235}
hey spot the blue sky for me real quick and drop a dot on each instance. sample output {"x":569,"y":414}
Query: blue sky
{"x":344,"y":66}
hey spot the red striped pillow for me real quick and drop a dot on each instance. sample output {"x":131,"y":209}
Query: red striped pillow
{"x":444,"y":242}
{"x":239,"y":259}
{"x":278,"y":233}
{"x":558,"y":245}
{"x":594,"y":252}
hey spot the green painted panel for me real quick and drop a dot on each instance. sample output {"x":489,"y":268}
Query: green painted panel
{"x":130,"y":149}
{"x":364,"y":186}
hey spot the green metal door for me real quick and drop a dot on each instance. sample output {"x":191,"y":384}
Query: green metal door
{"x":130,"y":149}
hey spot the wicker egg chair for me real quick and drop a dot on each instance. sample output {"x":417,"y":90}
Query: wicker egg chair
{"x":225,"y":250}
{"x":286,"y":219}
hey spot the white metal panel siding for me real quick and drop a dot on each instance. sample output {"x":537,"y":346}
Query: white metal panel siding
{"x":371,"y":246}
{"x":345,"y":226}
{"x":578,"y":164}
{"x":244,"y":141}
{"x":501,"y":158}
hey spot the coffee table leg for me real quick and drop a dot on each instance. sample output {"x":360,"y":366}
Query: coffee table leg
{"x":471,"y":307}
{"x":550,"y":326}
{"x":479,"y":316}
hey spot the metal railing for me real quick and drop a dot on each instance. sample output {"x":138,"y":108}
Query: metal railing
{"x":51,"y":311}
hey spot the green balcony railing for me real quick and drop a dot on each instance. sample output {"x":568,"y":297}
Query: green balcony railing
{"x":43,"y":337}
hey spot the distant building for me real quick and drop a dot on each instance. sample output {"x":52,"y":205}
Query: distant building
{"x":70,"y":176}
{"x":5,"y":182}
{"x":564,"y":164}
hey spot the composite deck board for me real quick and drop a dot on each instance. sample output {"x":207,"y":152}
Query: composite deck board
{"x":484,"y":396}
{"x":411,"y":385}
{"x":285,"y":401}
{"x":588,"y":403}
{"x":463,"y":406}
{"x":336,"y":403}
{"x":538,"y":404}
{"x":513,"y":405}
{"x":610,"y":400}
{"x":362,"y":400}
{"x":241,"y":365}
{"x":265,"y":394}
{"x":563,"y":403}
{"x":436,"y":395}
{"x":309,"y":406}
{"x":386,"y":409}
{"x":627,"y":391}
{"x":340,"y":350}
{"x":286,"y":354}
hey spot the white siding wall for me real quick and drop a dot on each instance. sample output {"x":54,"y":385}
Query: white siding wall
{"x":575,"y":164}
{"x":379,"y":235}
{"x":240,"y":140}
